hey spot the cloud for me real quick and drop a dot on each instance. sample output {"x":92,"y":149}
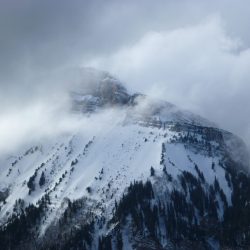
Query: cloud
{"x":199,"y":67}
{"x":192,"y":53}
{"x":21,"y":129}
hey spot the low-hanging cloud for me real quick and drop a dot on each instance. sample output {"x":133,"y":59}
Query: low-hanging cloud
{"x":199,"y":67}
{"x":21,"y":129}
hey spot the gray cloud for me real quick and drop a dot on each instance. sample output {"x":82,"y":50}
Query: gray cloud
{"x":193,"y":53}
{"x":198,"y":67}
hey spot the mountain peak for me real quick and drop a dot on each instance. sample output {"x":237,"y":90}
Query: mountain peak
{"x":159,"y":178}
{"x":99,"y":89}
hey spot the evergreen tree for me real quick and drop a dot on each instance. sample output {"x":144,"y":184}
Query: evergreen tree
{"x":119,"y":241}
{"x":42,"y":180}
{"x":152,"y":171}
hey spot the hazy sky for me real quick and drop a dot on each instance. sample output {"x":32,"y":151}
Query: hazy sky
{"x":192,"y":53}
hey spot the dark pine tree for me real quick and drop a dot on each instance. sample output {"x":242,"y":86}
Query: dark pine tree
{"x":42,"y":180}
{"x":152,"y":171}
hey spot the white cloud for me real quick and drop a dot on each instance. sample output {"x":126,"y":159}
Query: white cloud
{"x":41,"y":121}
{"x":168,"y":49}
{"x":199,"y":67}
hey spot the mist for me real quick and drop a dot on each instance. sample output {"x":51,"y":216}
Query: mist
{"x":199,"y":68}
{"x":194,"y":54}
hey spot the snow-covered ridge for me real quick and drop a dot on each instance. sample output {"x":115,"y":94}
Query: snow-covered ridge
{"x":106,"y":91}
{"x":73,"y":163}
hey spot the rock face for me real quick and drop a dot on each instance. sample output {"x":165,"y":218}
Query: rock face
{"x":107,"y":91}
{"x":154,"y":177}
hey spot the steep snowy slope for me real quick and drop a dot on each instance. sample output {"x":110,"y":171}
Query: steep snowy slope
{"x":77,"y":190}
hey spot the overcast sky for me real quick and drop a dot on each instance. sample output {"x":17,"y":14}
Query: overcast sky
{"x":192,"y":53}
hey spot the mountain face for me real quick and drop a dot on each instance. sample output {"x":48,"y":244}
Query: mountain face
{"x":152,"y":177}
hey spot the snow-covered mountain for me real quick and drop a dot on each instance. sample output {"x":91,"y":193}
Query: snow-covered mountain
{"x":148,"y":175}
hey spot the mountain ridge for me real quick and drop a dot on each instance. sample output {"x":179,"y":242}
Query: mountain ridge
{"x":150,"y":176}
